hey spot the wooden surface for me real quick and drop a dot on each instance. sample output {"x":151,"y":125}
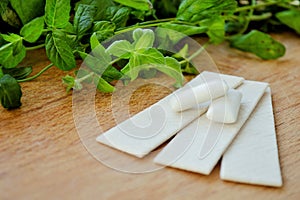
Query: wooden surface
{"x":42,"y":156}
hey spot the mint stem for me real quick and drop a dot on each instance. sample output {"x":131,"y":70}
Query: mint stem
{"x":251,"y":7}
{"x":37,"y":75}
{"x":194,"y":54}
{"x":35,"y":47}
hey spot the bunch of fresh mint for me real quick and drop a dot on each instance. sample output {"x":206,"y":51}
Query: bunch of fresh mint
{"x":71,"y":30}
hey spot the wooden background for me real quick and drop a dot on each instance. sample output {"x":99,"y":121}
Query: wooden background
{"x":42,"y":156}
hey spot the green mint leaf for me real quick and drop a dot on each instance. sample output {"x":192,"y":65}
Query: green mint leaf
{"x":3,"y":5}
{"x":10,"y":92}
{"x":13,"y":53}
{"x":216,"y":29}
{"x":29,"y":9}
{"x":6,"y":52}
{"x":1,"y":72}
{"x":117,"y":15}
{"x":185,"y":29}
{"x":59,"y":51}
{"x":101,"y":5}
{"x":291,"y":18}
{"x":182,"y":53}
{"x":71,"y":83}
{"x":83,"y":19}
{"x":142,"y":59}
{"x":8,"y":15}
{"x":143,"y":38}
{"x":111,"y":74}
{"x":136,"y":4}
{"x":148,"y":73}
{"x":18,"y":72}
{"x":259,"y":43}
{"x":33,"y":29}
{"x":195,"y":10}
{"x":103,"y":30}
{"x":11,"y":37}
{"x":120,"y":48}
{"x":172,"y":68}
{"x":96,"y":65}
{"x":103,"y":85}
{"x":99,"y":51}
{"x":57,"y":13}
{"x":167,"y":38}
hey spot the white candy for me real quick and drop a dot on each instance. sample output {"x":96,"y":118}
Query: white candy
{"x":199,"y":146}
{"x":253,"y":155}
{"x":145,"y":131}
{"x":225,"y":109}
{"x":191,"y":97}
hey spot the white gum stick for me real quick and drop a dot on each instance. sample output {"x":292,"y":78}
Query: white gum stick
{"x":253,"y":156}
{"x":145,"y":131}
{"x":200,"y":145}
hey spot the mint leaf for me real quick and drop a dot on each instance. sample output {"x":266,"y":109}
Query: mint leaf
{"x":111,"y":74}
{"x":103,"y":30}
{"x":59,"y":51}
{"x":83,"y":19}
{"x":143,"y":38}
{"x":137,"y":4}
{"x":142,"y":59}
{"x":10,"y":92}
{"x":57,"y":13}
{"x":172,"y":68}
{"x":99,"y":51}
{"x":291,"y":18}
{"x":259,"y":43}
{"x":120,"y":48}
{"x":103,"y":85}
{"x":33,"y":30}
{"x":185,"y":29}
{"x":71,"y":83}
{"x":18,"y":72}
{"x":215,"y":29}
{"x":196,"y":10}
{"x":29,"y":9}
{"x":6,"y":51}
{"x":96,"y":65}
{"x":101,"y":6}
{"x":14,"y":52}
{"x":117,"y":15}
{"x":148,"y":73}
{"x":8,"y":15}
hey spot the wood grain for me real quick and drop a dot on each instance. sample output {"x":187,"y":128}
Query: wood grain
{"x":42,"y":156}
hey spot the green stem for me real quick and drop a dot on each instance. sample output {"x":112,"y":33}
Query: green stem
{"x":1,"y":72}
{"x":251,"y":7}
{"x":157,"y":21}
{"x":288,"y":6}
{"x":131,"y":28}
{"x":37,"y":75}
{"x":114,"y":61}
{"x":46,"y":30}
{"x":194,"y":54}
{"x":253,"y":17}
{"x":35,"y":47}
{"x":85,"y":77}
{"x":250,"y":14}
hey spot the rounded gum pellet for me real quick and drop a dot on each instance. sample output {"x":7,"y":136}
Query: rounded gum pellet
{"x":191,"y":97}
{"x":225,"y":109}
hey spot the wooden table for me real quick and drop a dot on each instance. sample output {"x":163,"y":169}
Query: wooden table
{"x":42,"y":157}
